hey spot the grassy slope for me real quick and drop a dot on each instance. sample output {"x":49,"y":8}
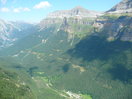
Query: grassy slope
{"x":12,"y":88}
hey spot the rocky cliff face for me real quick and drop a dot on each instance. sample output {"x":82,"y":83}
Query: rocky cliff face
{"x":120,"y":28}
{"x":75,"y":21}
{"x":116,"y":23}
{"x":77,"y":13}
{"x":123,"y":7}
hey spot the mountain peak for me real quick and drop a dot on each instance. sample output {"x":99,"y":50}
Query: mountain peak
{"x":78,"y":8}
{"x":77,"y":11}
{"x":124,"y":6}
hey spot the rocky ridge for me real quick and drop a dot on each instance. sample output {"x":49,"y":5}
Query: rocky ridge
{"x":124,"y":6}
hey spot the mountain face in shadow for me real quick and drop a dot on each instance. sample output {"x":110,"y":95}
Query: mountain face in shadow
{"x":113,"y":53}
{"x":120,"y":72}
{"x":96,"y":47}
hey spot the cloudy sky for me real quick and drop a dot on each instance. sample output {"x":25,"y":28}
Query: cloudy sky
{"x":35,"y":10}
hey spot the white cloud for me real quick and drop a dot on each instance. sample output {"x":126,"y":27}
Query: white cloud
{"x":26,"y":9}
{"x":3,"y":1}
{"x":4,"y":10}
{"x":20,"y":9}
{"x":43,"y":4}
{"x":16,"y":10}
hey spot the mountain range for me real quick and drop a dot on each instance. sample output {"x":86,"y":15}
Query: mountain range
{"x":74,"y":21}
{"x":70,"y":54}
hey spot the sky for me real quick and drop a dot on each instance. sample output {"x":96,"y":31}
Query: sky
{"x":36,"y":10}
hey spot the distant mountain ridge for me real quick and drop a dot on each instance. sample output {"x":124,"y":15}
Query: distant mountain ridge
{"x":9,"y":31}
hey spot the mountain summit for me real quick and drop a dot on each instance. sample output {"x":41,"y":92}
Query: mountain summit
{"x":124,"y":6}
{"x":77,"y":11}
